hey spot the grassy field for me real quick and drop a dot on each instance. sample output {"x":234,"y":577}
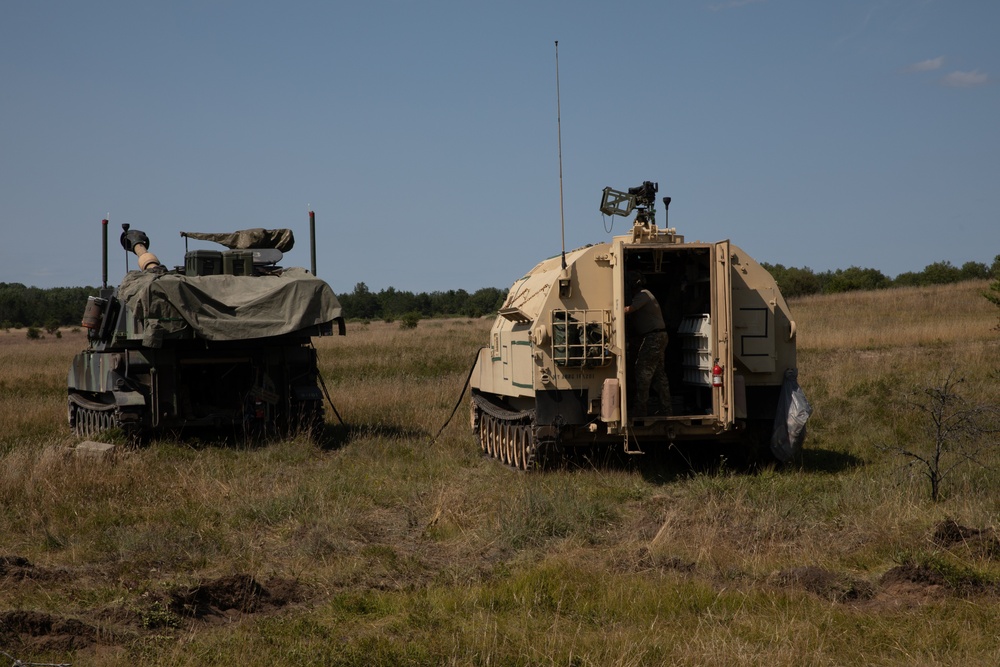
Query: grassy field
{"x":384,"y":548}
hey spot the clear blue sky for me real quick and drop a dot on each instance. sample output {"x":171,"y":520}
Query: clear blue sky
{"x":814,"y":133}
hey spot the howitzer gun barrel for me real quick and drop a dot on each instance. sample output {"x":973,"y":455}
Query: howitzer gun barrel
{"x":135,"y":241}
{"x":147,"y":260}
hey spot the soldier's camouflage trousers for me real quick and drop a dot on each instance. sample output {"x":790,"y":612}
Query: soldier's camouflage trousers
{"x":650,"y":373}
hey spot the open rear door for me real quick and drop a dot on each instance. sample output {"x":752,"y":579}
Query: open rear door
{"x":722,"y":327}
{"x":618,"y":323}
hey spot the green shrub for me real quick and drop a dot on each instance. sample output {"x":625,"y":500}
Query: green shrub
{"x":409,"y":320}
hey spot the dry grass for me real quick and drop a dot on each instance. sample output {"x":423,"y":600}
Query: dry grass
{"x":407,"y":552}
{"x":29,"y":383}
{"x":899,"y":318}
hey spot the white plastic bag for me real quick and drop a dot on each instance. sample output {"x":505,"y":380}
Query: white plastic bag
{"x":790,"y":418}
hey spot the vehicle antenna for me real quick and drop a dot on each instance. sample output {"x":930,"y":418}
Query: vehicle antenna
{"x":312,"y":239}
{"x":104,"y":251}
{"x":125,"y":227}
{"x":562,"y":218}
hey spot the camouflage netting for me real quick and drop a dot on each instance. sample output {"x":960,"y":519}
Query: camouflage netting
{"x":223,"y":307}
{"x":246,"y":239}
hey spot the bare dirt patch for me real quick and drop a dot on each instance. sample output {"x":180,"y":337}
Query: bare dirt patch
{"x":907,"y":585}
{"x":32,"y":632}
{"x":911,"y":585}
{"x":832,"y":586}
{"x":980,"y":542}
{"x":18,"y":568}
{"x":35,"y":631}
{"x":238,"y":593}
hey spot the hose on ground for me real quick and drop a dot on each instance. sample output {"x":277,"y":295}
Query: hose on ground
{"x":459,"y":401}
{"x":328,"y":400}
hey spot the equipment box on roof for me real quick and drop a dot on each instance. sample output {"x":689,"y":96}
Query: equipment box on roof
{"x":237,"y":262}
{"x":202,"y":262}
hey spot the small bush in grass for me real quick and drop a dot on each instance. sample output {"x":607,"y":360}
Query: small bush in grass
{"x":33,"y":333}
{"x":956,"y":432}
{"x":993,"y":295}
{"x":409,"y":320}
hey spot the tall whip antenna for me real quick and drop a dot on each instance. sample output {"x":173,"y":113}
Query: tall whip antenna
{"x":562,"y":217}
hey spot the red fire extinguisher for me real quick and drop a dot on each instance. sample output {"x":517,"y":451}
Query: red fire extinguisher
{"x":716,"y":374}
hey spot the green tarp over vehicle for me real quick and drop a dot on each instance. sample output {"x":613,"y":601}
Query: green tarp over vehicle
{"x":224,"y":307}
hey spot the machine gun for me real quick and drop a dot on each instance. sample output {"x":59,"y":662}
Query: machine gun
{"x":641,"y":198}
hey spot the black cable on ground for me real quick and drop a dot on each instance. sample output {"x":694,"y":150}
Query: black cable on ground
{"x":459,"y":402}
{"x":328,"y":400}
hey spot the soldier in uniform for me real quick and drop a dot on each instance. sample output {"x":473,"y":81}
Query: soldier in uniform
{"x":647,"y":326}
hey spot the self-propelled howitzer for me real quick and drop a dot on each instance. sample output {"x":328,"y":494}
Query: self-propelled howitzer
{"x":223,"y":342}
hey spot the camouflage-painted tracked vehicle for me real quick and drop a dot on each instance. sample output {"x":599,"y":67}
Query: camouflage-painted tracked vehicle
{"x":559,"y":368}
{"x":223,"y":342}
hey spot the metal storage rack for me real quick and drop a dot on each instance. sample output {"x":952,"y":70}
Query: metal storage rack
{"x":696,"y":362}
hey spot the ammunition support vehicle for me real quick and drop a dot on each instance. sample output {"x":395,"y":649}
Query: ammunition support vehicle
{"x":559,"y":368}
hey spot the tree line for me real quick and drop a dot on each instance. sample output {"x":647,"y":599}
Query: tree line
{"x":802,"y":282}
{"x":22,"y":306}
{"x":391,"y":304}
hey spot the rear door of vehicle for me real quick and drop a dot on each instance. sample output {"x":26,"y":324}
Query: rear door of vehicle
{"x":722,"y":327}
{"x":618,"y":324}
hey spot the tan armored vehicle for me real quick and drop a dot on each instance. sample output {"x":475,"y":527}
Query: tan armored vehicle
{"x":559,"y":370}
